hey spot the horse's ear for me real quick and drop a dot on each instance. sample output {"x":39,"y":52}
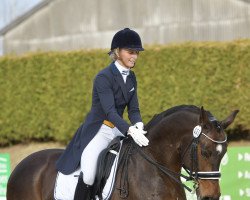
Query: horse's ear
{"x":226,"y":122}
{"x":203,"y":116}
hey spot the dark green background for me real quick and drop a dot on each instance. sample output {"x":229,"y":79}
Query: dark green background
{"x":46,"y":96}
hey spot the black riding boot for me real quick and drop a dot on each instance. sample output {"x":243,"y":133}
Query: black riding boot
{"x":82,"y":191}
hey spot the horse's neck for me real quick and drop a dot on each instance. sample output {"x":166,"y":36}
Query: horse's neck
{"x":165,"y":153}
{"x":144,"y":175}
{"x":166,"y":144}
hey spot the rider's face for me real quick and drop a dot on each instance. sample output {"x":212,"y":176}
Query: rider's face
{"x":127,"y":57}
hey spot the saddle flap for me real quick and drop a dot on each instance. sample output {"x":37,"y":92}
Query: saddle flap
{"x":105,"y":163}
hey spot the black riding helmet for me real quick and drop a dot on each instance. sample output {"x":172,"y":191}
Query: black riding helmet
{"x":128,"y":39}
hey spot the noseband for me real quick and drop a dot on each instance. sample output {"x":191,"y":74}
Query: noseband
{"x":194,"y":174}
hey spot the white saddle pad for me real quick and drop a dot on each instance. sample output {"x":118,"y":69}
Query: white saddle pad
{"x":65,"y":185}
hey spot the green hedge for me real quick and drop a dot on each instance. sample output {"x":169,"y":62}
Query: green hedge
{"x":46,"y":96}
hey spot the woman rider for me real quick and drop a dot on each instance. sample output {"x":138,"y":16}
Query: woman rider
{"x":114,"y":88}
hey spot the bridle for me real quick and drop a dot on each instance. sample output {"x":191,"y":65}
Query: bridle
{"x":193,"y":173}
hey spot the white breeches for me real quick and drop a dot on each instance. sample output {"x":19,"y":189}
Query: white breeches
{"x":91,"y":152}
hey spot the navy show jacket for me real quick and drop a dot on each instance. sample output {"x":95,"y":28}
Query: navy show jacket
{"x":109,"y":98}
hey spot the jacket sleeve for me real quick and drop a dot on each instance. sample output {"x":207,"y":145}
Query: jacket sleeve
{"x":105,"y":93}
{"x":133,"y":106}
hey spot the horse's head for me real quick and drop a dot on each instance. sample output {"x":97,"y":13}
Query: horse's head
{"x":208,"y":147}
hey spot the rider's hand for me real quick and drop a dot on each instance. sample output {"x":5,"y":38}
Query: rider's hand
{"x":138,"y":136}
{"x":139,"y":125}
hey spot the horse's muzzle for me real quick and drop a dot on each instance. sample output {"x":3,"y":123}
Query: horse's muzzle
{"x":208,"y":190}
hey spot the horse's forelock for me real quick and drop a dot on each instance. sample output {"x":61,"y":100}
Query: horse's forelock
{"x":214,"y":121}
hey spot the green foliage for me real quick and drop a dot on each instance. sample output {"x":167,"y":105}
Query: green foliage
{"x":213,"y":75}
{"x":46,"y":96}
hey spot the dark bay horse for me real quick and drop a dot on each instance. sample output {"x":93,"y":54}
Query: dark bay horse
{"x":183,"y":136}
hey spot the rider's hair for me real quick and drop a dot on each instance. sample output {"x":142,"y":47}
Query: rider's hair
{"x":113,"y":54}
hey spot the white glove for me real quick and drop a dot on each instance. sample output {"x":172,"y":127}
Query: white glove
{"x":138,"y":136}
{"x":139,"y":125}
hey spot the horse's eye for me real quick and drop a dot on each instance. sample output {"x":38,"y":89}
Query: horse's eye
{"x":206,"y":153}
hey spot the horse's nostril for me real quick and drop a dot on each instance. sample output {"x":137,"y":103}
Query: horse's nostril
{"x":209,"y":198}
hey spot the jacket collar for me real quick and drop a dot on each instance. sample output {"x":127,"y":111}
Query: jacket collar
{"x":121,"y":68}
{"x":114,"y":69}
{"x":118,"y":78}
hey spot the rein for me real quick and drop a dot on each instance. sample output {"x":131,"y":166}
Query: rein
{"x":163,"y":169}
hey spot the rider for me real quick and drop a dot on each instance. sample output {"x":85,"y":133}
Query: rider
{"x":114,"y":88}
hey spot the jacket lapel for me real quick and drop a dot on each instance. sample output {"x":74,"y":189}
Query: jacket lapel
{"x":118,"y":78}
{"x":129,"y":83}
